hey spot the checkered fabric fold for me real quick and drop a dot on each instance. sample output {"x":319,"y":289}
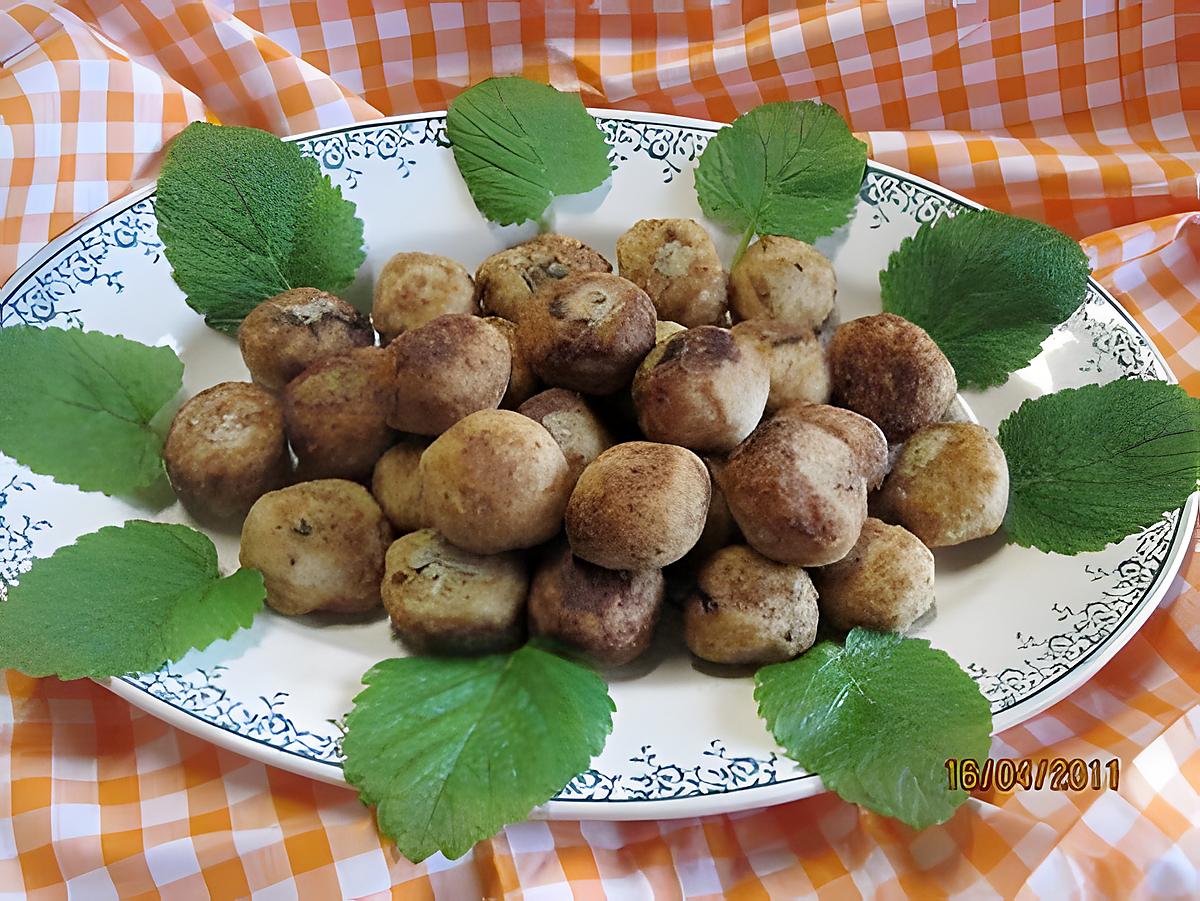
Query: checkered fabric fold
{"x":1084,"y":115}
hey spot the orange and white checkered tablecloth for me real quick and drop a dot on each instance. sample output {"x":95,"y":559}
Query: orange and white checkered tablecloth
{"x":1081,"y":114}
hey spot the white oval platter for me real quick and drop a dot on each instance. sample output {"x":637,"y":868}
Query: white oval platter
{"x":1030,"y":627}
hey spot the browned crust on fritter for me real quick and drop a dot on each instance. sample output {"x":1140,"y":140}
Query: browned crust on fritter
{"x":278,"y":343}
{"x":506,"y":281}
{"x":447,"y":369}
{"x":569,"y":346}
{"x":795,"y":492}
{"x":608,"y":614}
{"x":226,"y":447}
{"x":336,"y":414}
{"x":640,"y":505}
{"x":892,"y":372}
{"x":865,"y":439}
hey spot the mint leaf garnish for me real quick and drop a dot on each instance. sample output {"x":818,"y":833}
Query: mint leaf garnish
{"x":1088,"y":466}
{"x":790,"y":168}
{"x":243,"y":215}
{"x":519,"y":144}
{"x":77,"y":406}
{"x":449,"y":750}
{"x":877,"y":720}
{"x":121,"y":600}
{"x":988,"y":287}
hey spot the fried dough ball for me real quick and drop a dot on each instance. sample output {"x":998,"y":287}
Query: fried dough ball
{"x":638,"y":506}
{"x":226,"y":448}
{"x":608,"y":614}
{"x":319,"y":545}
{"x":949,"y":485}
{"x":336,"y":414}
{"x":862,"y":436}
{"x":796,"y":492}
{"x":587,"y":332}
{"x":750,"y":610}
{"x":571,"y":422}
{"x":396,"y":485}
{"x":448,"y":369}
{"x":782,"y":278}
{"x":701,"y":390}
{"x":664,"y":329}
{"x":522,"y":380}
{"x":507,"y":281}
{"x":892,"y":372}
{"x":496,"y":481}
{"x":884,"y":583}
{"x":675,"y":262}
{"x":794,"y":357}
{"x":444,"y":600}
{"x":284,"y":335}
{"x":415,"y":288}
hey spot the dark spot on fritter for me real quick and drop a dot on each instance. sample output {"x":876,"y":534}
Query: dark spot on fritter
{"x":707,"y":345}
{"x":793,"y":338}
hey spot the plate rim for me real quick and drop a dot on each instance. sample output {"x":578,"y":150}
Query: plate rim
{"x":726,"y":801}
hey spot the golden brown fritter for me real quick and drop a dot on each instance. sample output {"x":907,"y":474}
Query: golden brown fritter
{"x":587,"y":332}
{"x":226,"y":448}
{"x":638,"y":506}
{"x":447,"y":369}
{"x":796,"y":492}
{"x":396,"y":485}
{"x":496,"y":481}
{"x":508,"y":280}
{"x":794,"y":358}
{"x":700,"y":389}
{"x":522,"y":380}
{"x":891,"y":372}
{"x":608,"y":614}
{"x":570,"y":421}
{"x":884,"y":583}
{"x":865,"y":439}
{"x":286,"y":334}
{"x":949,"y":485}
{"x":415,"y":288}
{"x":675,"y":262}
{"x":747,"y":609}
{"x":336,"y":414}
{"x":785,"y":279}
{"x":444,"y":600}
{"x":319,"y":545}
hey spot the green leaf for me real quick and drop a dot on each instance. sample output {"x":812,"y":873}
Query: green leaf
{"x":789,"y":169}
{"x":877,"y":720}
{"x":450,"y":750}
{"x":77,"y":406}
{"x":243,"y":215}
{"x":1089,"y":466}
{"x":519,"y":144}
{"x":121,"y":600}
{"x":989,"y":288}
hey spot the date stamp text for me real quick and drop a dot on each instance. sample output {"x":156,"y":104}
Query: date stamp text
{"x":1054,"y":773}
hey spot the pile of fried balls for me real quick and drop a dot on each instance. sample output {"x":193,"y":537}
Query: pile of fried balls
{"x":528,"y":450}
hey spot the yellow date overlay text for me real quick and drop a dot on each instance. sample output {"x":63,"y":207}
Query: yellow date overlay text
{"x":1054,"y":773}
